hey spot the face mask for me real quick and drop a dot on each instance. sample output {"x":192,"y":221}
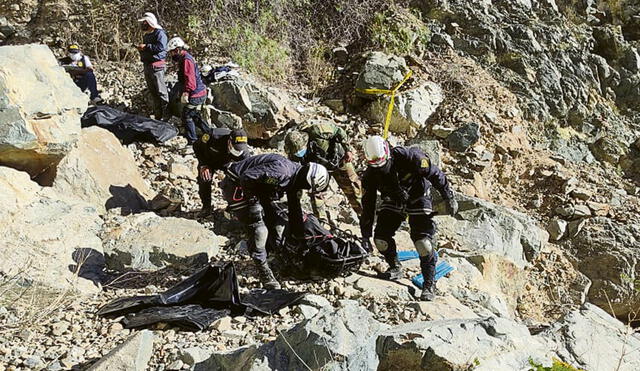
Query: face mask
{"x":75,"y":56}
{"x":144,"y":26}
{"x":175,"y":57}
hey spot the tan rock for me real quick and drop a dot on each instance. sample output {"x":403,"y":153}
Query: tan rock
{"x":102,"y":172}
{"x":444,"y":307}
{"x":37,"y":130}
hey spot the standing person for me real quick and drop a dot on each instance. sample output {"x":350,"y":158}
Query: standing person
{"x":153,"y":52}
{"x":215,"y":150}
{"x":326,"y":144}
{"x":80,"y":68}
{"x":404,"y":177}
{"x":194,"y":92}
{"x":251,"y":187}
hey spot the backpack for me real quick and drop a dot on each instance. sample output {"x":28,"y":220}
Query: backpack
{"x":324,"y":136}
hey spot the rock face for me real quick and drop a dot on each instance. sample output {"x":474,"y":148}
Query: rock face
{"x":261,"y":111}
{"x":485,"y":227}
{"x":148,"y":242}
{"x":411,"y":110}
{"x":341,"y":339}
{"x":40,"y":110}
{"x":482,"y":344}
{"x":47,"y":238}
{"x":133,"y":354}
{"x":589,"y":338}
{"x":606,"y":252}
{"x":99,"y":170}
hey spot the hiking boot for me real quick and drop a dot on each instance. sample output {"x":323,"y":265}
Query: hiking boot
{"x":204,"y":212}
{"x":428,"y":292}
{"x":395,"y":269}
{"x":267,"y":278}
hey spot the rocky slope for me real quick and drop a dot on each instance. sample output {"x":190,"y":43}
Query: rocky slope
{"x":528,"y":106}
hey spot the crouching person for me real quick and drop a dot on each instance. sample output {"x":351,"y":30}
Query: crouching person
{"x":404,"y":177}
{"x":251,"y":187}
{"x":80,"y":68}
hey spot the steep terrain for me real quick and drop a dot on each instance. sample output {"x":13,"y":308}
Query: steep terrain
{"x":529,"y":106}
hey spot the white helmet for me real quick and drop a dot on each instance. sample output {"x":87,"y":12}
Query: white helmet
{"x":376,"y":150}
{"x":317,"y":177}
{"x":175,"y":43}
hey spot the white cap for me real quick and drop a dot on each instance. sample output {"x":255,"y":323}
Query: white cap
{"x":376,"y":151}
{"x":151,"y":20}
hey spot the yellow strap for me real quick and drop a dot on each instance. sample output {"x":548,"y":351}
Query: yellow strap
{"x":392,"y":94}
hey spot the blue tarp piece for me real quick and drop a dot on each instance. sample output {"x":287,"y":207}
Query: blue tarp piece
{"x":442,"y":269}
{"x":408,"y":255}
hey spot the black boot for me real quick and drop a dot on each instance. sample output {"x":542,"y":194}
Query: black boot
{"x":267,"y":278}
{"x":395,"y":268}
{"x":428,"y":291}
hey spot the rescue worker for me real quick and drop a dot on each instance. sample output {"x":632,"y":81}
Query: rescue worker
{"x":153,"y":52}
{"x":404,"y":177}
{"x":214,"y":150}
{"x":251,"y":187}
{"x":194,"y":92}
{"x":326,"y":144}
{"x":80,"y":68}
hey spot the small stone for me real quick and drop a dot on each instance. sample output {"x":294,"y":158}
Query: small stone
{"x":175,"y":365}
{"x":575,"y":227}
{"x":557,"y":229}
{"x":59,"y":328}
{"x":307,"y":311}
{"x":599,"y":209}
{"x":115,"y":328}
{"x":464,"y":137}
{"x":566,"y":211}
{"x":284,"y":311}
{"x":581,"y":211}
{"x":223,"y":324}
{"x":441,"y":131}
{"x":581,"y":194}
{"x":234,"y":334}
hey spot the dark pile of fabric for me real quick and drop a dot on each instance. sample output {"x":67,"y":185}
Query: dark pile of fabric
{"x":128,"y":127}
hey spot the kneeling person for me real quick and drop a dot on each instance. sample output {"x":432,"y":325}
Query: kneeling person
{"x":214,"y":150}
{"x":251,"y":187}
{"x":404,"y":177}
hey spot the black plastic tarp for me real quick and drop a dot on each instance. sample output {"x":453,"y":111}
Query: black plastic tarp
{"x":128,"y":127}
{"x":196,"y":302}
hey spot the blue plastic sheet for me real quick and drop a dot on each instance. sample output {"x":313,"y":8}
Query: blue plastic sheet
{"x":442,"y":269}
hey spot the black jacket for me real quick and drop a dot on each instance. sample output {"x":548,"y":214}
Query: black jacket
{"x":269,"y":177}
{"x":215,"y":152}
{"x":408,"y":175}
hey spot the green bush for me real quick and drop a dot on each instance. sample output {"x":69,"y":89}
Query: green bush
{"x":557,"y":365}
{"x":399,"y":31}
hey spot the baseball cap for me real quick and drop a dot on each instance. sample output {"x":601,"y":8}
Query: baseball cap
{"x":73,"y":49}
{"x":239,"y":140}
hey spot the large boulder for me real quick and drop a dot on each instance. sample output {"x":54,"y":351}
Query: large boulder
{"x":479,"y":344}
{"x":40,"y":110}
{"x":589,"y":338}
{"x":608,"y":253}
{"x":132,"y":355}
{"x":262,"y":110}
{"x":411,"y":110}
{"x":149,"y":242}
{"x":482,"y":227}
{"x":99,"y":170}
{"x":381,"y":71}
{"x":334,"y":339}
{"x":45,"y":239}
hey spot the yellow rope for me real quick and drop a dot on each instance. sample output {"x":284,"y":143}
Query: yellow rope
{"x":392,"y":94}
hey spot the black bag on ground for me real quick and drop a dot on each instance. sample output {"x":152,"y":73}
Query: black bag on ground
{"x":324,"y":254}
{"x":128,"y":127}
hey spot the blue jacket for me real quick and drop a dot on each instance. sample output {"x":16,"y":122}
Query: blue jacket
{"x":408,"y":175}
{"x":155,"y":46}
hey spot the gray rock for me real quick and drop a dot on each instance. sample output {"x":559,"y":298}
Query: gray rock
{"x":37,"y":130}
{"x":589,"y":338}
{"x":225,"y":119}
{"x":441,"y":131}
{"x":340,"y":339}
{"x":484,"y":227}
{"x":431,"y":148}
{"x":194,"y":355}
{"x":133,"y":354}
{"x":557,"y":229}
{"x":605,"y":251}
{"x":316,"y":301}
{"x":148,"y":242}
{"x":231,"y":96}
{"x":381,"y":71}
{"x":464,"y":137}
{"x":481,"y":344}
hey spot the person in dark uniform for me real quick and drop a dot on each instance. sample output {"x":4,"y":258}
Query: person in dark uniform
{"x":251,"y":187}
{"x":404,"y":177}
{"x":214,"y":150}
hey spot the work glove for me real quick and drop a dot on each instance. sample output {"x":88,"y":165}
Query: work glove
{"x":205,"y":173}
{"x":184,"y":98}
{"x":452,"y":206}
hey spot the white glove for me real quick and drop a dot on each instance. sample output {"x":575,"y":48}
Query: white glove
{"x":184,"y":98}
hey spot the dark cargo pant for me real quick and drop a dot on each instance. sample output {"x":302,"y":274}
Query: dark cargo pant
{"x":154,"y":76}
{"x":421,"y":224}
{"x":260,"y":218}
{"x":191,"y":118}
{"x":349,"y":183}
